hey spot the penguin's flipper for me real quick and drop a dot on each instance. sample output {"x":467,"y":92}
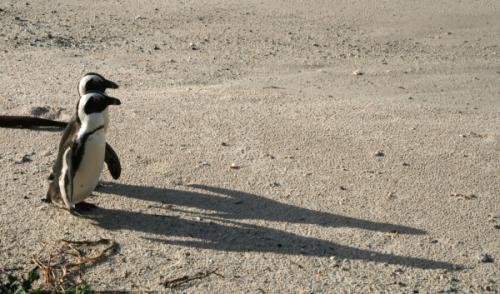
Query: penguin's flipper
{"x":66,"y":179}
{"x":113,"y":162}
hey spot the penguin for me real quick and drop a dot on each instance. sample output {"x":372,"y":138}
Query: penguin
{"x":90,"y":82}
{"x":81,"y":151}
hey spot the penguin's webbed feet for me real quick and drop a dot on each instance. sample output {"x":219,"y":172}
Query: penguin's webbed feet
{"x":84,"y":206}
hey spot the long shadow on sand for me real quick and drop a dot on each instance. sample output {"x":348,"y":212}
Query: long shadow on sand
{"x":235,"y":205}
{"x":222,"y":231}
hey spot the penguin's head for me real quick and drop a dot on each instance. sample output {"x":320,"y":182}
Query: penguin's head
{"x":94,"y":82}
{"x":94,"y":103}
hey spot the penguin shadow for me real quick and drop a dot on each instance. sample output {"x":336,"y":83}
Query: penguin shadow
{"x":49,"y":129}
{"x":222,"y":230}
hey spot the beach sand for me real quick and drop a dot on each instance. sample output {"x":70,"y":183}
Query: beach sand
{"x":365,"y":136}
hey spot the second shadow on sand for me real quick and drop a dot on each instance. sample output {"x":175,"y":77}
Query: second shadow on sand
{"x":221,"y":228}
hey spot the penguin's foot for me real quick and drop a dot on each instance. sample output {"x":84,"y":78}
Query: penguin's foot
{"x":84,"y":206}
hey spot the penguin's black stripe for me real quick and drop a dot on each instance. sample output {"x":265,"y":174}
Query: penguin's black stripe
{"x":79,"y":150}
{"x":16,"y":121}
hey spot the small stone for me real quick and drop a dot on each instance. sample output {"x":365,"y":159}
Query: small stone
{"x":342,"y":188}
{"x":193,"y":46}
{"x":270,"y":156}
{"x":358,"y":72}
{"x":24,"y":159}
{"x":379,"y":153}
{"x":405,"y":164}
{"x":205,"y":163}
{"x":486,"y":258}
{"x":234,"y":166}
{"x":399,"y":271}
{"x":224,"y":144}
{"x":497,"y":227}
{"x":156,"y":47}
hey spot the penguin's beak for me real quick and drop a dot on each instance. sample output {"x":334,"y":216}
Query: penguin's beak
{"x":113,"y":101}
{"x":111,"y":85}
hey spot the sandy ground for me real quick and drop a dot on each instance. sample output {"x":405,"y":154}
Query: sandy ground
{"x":269,"y":86}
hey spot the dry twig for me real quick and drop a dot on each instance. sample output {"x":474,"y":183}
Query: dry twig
{"x":56,"y":275}
{"x":464,"y":196}
{"x":176,"y":282}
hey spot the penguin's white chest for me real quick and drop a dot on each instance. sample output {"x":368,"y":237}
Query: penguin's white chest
{"x":88,"y":173}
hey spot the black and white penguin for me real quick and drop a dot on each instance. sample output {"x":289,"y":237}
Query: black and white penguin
{"x":90,"y":82}
{"x":94,"y":82}
{"x":82,"y":151}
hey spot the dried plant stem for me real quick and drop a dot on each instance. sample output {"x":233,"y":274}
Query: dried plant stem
{"x":55,"y":275}
{"x":176,"y":282}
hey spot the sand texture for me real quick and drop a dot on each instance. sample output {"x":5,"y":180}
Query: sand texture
{"x":364,"y":139}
